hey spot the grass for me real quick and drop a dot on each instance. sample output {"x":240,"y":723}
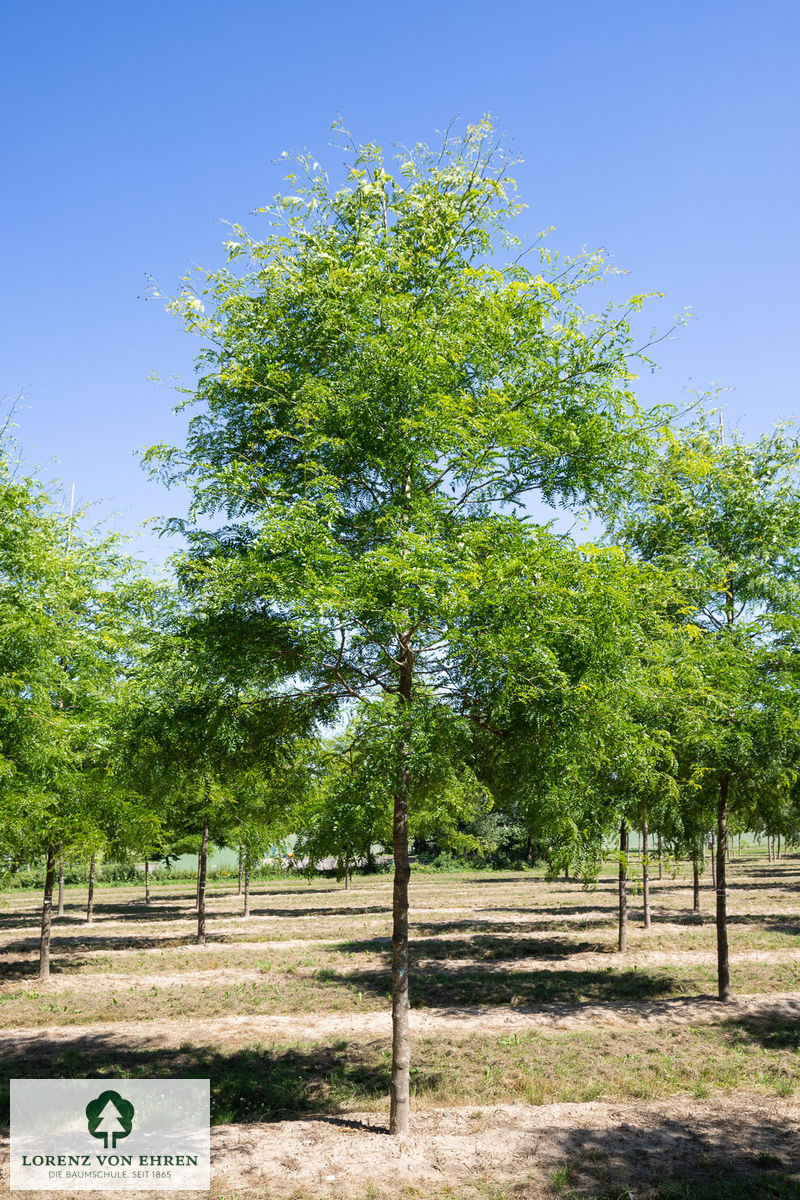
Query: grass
{"x":264,"y":1081}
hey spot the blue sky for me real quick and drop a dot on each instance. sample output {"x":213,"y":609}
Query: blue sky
{"x":133,"y":130}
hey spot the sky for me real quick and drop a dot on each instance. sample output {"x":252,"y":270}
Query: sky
{"x":133,"y":131}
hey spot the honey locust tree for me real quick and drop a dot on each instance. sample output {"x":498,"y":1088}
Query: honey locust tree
{"x":199,"y":718}
{"x":376,"y":394}
{"x":724,"y":517}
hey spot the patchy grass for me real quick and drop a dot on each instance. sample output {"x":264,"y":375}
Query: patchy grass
{"x":264,"y":1081}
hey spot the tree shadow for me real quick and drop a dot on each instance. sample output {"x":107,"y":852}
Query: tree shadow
{"x":255,"y":1083}
{"x":481,"y":946}
{"x":463,"y":987}
{"x":707,"y":1155}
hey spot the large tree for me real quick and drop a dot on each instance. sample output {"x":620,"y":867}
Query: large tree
{"x":379,"y":396}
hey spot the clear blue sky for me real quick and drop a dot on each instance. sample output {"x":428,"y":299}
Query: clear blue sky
{"x":665,"y":133}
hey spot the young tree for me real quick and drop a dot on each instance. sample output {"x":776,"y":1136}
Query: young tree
{"x":725,"y":517}
{"x":375,"y":392}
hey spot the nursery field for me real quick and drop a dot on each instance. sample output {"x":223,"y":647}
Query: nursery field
{"x":544,"y":1062}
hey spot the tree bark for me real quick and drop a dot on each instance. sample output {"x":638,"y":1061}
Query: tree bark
{"x":660,"y":864}
{"x":696,"y":882}
{"x":47,"y":914}
{"x":723,"y":966}
{"x":246,"y":910}
{"x":779,"y":846}
{"x":201,"y":886}
{"x":60,"y":888}
{"x":146,"y":881}
{"x":713,"y":865}
{"x":240,"y":868}
{"x":401,"y":1043}
{"x":645,"y":874}
{"x":623,"y":886}
{"x":90,"y":898}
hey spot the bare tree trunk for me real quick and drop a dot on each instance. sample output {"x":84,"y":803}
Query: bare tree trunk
{"x":401,"y":1043}
{"x":240,"y":868}
{"x":90,"y":898}
{"x":723,"y":965}
{"x":623,"y":886}
{"x":660,"y":863}
{"x":47,"y":914}
{"x":779,"y":845}
{"x":246,"y":912}
{"x":201,"y":886}
{"x":645,"y":874}
{"x":713,"y":864}
{"x":60,"y":888}
{"x":566,"y":873}
{"x":347,"y":872}
{"x":696,"y":883}
{"x":147,"y":881}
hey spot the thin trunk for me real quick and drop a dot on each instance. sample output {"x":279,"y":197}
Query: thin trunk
{"x":146,"y":881}
{"x":246,"y":912}
{"x":61,"y":888}
{"x":623,"y":886}
{"x":660,"y":863}
{"x":90,"y":899}
{"x":779,"y":846}
{"x":347,"y":872}
{"x":696,"y":882}
{"x":566,"y":872}
{"x":713,"y":864}
{"x":645,"y":875}
{"x":723,"y":966}
{"x":197,"y":888}
{"x":740,"y":846}
{"x":47,"y":914}
{"x":201,"y":886}
{"x":401,"y":1043}
{"x":240,"y":869}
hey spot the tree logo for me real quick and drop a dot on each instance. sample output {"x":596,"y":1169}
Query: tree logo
{"x":109,"y":1116}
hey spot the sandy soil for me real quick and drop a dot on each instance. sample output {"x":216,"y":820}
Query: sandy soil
{"x":606,"y":1145}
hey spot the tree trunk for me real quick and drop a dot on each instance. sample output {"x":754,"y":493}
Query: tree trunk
{"x":696,"y":882}
{"x":60,"y":888}
{"x":660,"y":864}
{"x":779,"y":846}
{"x":201,"y":886}
{"x":90,"y":899}
{"x":645,"y":875}
{"x":723,"y":966}
{"x":713,"y":865}
{"x":623,"y":886}
{"x":347,"y":872}
{"x":401,"y":1043}
{"x":146,"y":881}
{"x":47,"y":914}
{"x":566,"y":872}
{"x":246,"y":912}
{"x":240,"y":868}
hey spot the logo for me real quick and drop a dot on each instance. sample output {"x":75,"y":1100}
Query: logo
{"x":109,"y":1116}
{"x":81,"y":1135}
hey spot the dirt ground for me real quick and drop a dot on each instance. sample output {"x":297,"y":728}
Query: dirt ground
{"x":472,"y":932}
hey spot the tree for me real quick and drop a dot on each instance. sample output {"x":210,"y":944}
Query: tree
{"x":198,"y":720}
{"x":377,"y":399}
{"x":724,"y":517}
